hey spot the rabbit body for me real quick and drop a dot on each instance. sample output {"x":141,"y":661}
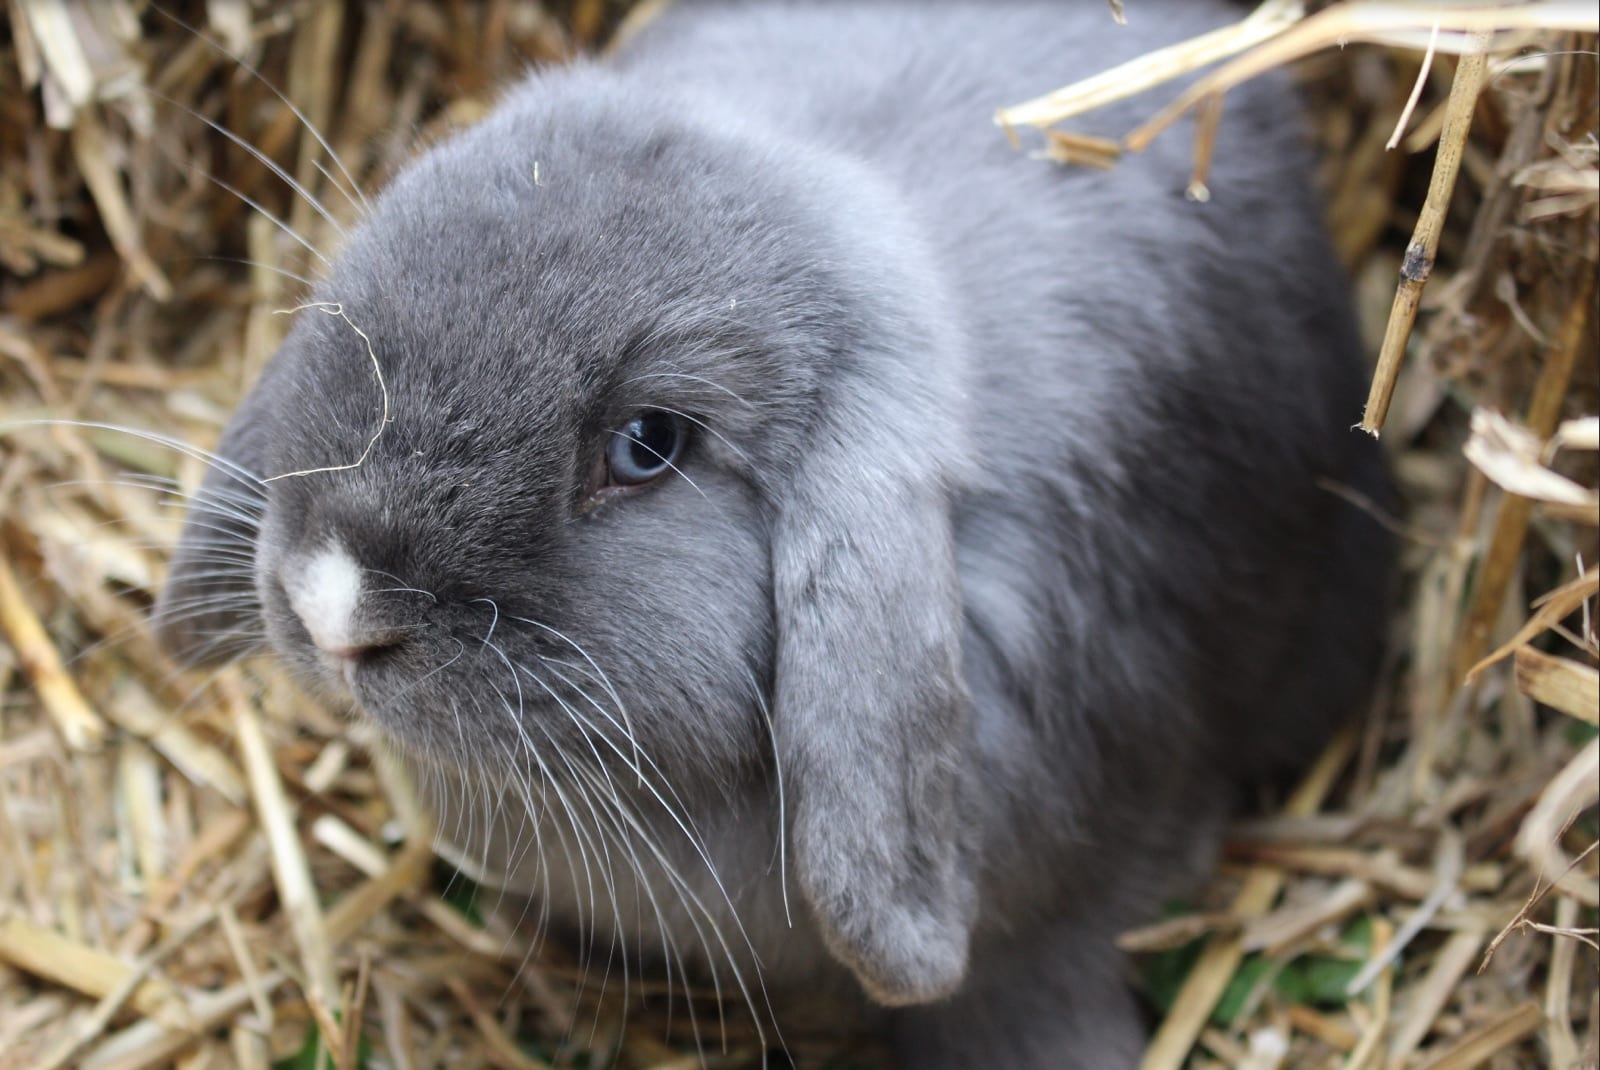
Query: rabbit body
{"x":1002,"y":545}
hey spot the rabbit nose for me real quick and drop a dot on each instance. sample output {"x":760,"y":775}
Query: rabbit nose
{"x":325,"y":593}
{"x":353,"y":654}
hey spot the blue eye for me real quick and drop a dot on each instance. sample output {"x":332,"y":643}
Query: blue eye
{"x":645,"y":448}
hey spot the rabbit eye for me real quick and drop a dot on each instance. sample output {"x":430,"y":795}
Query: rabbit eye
{"x":645,"y":447}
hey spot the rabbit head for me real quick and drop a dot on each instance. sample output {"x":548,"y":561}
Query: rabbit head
{"x":618,"y":447}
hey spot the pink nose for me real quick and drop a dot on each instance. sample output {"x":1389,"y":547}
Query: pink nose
{"x":346,"y":661}
{"x":357,"y":652}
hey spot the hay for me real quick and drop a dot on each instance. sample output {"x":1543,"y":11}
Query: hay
{"x":216,"y":872}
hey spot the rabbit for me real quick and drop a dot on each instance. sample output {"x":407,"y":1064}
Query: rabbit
{"x":804,"y":543}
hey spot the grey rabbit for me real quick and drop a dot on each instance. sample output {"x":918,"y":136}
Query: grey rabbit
{"x":805,"y":543}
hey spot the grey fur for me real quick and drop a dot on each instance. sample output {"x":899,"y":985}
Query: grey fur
{"x":1008,"y":514}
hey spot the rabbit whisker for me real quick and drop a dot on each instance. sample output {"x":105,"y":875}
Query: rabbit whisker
{"x":260,"y":157}
{"x":221,"y":464}
{"x":603,"y":790}
{"x":401,"y":587}
{"x":190,"y":608}
{"x":605,"y":681}
{"x":664,"y":460}
{"x":620,"y":827}
{"x":195,"y":605}
{"x":261,"y":210}
{"x":622,"y":823}
{"x":708,"y":429}
{"x":782,"y":834}
{"x":309,"y":126}
{"x":466,"y":759}
{"x":673,"y":877}
{"x":247,"y":262}
{"x":691,"y":378}
{"x":594,"y":801}
{"x":227,"y":503}
{"x":561,"y":796}
{"x":603,"y":852}
{"x":680,"y":817}
{"x":695,"y":910}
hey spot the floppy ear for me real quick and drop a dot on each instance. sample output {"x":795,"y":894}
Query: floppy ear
{"x":208,"y":609}
{"x":871,"y":714}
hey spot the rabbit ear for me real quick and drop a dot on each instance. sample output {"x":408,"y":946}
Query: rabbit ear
{"x":871,"y":713}
{"x":208,"y":611}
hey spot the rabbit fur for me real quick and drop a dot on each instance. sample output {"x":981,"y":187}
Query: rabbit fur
{"x":1006,"y":542}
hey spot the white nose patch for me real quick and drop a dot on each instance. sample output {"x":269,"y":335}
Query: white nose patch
{"x":324,"y":594}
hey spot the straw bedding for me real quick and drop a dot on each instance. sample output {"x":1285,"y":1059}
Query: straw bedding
{"x":211,"y":871}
